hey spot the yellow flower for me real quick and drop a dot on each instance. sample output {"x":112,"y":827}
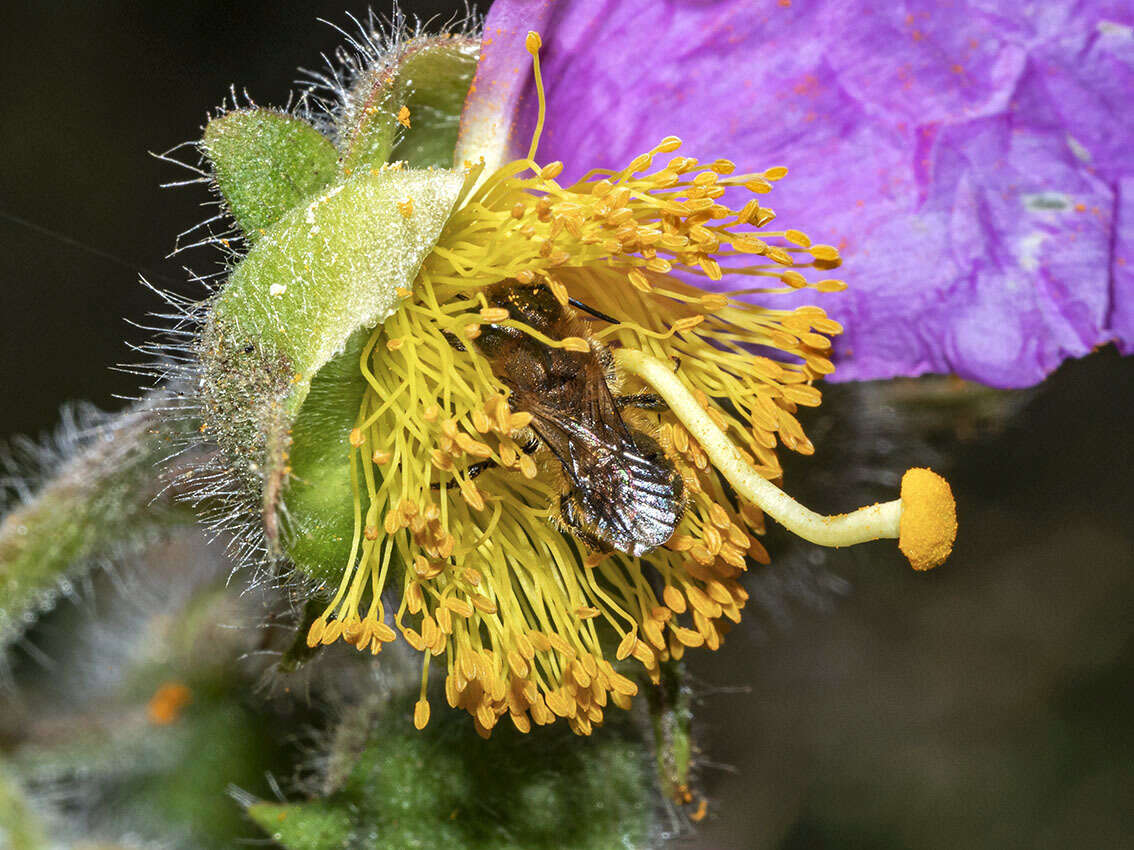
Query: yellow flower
{"x":477,"y":519}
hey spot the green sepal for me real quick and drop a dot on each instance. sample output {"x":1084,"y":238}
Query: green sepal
{"x":445,"y":787}
{"x":266,"y":163}
{"x":320,"y":523}
{"x":430,"y":76}
{"x":332,"y":267}
{"x":304,"y":297}
{"x":338,"y":240}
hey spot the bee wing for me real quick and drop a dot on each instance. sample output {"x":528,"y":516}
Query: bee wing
{"x":577,"y":433}
{"x":628,"y":498}
{"x":573,"y":443}
{"x":580,"y":439}
{"x":601,"y":411}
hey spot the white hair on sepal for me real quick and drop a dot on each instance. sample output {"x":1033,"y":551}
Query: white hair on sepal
{"x":218,"y":230}
{"x":193,"y":471}
{"x":374,"y":44}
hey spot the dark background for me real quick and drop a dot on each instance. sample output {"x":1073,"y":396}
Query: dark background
{"x":986,"y":705}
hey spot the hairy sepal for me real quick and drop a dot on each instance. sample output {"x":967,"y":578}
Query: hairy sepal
{"x":266,"y":163}
{"x":318,"y":524}
{"x":326,"y":272}
{"x":429,"y":76}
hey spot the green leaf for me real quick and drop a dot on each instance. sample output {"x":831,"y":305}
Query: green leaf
{"x":430,"y":76}
{"x":266,"y":163}
{"x":99,"y":503}
{"x":445,"y":787}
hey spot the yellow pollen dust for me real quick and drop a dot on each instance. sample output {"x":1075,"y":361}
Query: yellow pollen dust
{"x":456,"y":501}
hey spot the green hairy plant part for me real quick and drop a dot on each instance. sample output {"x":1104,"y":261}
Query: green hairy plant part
{"x":396,"y":787}
{"x":101,"y":496}
{"x":330,"y":251}
{"x":266,"y":163}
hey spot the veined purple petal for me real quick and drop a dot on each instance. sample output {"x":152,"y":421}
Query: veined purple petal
{"x":973,"y":161}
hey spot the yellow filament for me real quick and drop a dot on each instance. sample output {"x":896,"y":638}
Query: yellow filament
{"x":533,"y":44}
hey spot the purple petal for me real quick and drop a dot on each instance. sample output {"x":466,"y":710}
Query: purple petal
{"x":973,"y":161}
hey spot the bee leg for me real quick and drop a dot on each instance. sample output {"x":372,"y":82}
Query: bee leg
{"x":472,"y":471}
{"x":531,"y":445}
{"x":475,"y":469}
{"x":453,"y":341}
{"x":646,"y":401}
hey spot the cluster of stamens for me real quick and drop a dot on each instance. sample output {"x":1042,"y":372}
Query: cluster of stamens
{"x":524,"y":614}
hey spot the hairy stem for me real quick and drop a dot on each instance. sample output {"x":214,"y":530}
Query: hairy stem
{"x":105,"y":499}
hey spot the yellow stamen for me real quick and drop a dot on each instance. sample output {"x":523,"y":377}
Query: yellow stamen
{"x":533,"y":43}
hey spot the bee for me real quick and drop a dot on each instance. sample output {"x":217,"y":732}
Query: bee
{"x":623,"y":493}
